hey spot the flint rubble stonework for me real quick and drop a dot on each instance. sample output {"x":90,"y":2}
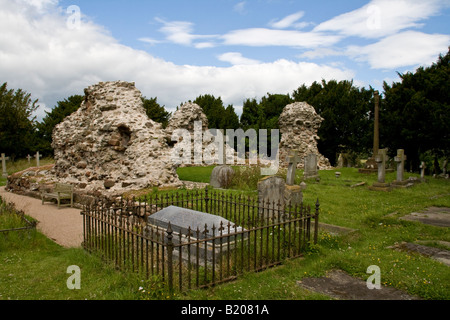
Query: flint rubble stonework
{"x":298,"y":125}
{"x":109,"y":145}
{"x":110,"y":142}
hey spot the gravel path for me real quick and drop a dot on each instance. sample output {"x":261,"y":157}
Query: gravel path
{"x":64,"y":225}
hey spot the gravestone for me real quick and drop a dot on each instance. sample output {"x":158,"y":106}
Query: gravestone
{"x":38,"y":157}
{"x":221,"y":176}
{"x":292,"y":193}
{"x":29,"y":160}
{"x":311,"y":166}
{"x":4,"y":172}
{"x":400,"y":159}
{"x":271,"y":188}
{"x":423,"y":166}
{"x":183,"y":221}
{"x":381,"y":184}
{"x":293,"y":159}
{"x":275,"y":190}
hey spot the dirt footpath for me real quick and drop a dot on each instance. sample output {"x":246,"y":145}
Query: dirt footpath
{"x":64,"y":225}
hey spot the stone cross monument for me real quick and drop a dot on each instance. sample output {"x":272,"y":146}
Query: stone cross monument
{"x":293,"y":159}
{"x":381,"y":184}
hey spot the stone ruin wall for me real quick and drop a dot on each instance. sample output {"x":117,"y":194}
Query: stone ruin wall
{"x":299,"y":124}
{"x":110,"y":146}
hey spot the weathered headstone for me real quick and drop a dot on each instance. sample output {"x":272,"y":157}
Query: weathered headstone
{"x":271,"y":188}
{"x":381,"y":184}
{"x":221,"y":176}
{"x":400,"y":159}
{"x":4,"y":172}
{"x":293,"y":159}
{"x":186,"y":222}
{"x":29,"y":159}
{"x":423,"y":166}
{"x":311,"y":166}
{"x":38,"y":157}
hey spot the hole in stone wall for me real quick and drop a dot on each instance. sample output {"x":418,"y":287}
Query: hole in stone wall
{"x":125,"y":134}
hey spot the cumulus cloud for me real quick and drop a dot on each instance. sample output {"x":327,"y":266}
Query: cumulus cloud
{"x":409,"y":48}
{"x":288,"y":21}
{"x":236,"y":58}
{"x":40,"y":54}
{"x":260,"y":37}
{"x":380,"y":18}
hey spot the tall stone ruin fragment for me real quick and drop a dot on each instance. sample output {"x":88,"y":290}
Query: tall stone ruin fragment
{"x":298,"y":125}
{"x":200,"y":141}
{"x":110,"y":143}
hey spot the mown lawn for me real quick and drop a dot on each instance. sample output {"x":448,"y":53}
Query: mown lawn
{"x":33,"y":267}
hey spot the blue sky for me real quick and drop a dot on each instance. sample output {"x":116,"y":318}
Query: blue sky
{"x":176,"y":50}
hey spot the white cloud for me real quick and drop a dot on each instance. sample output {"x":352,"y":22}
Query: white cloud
{"x":240,"y":7}
{"x":287,"y":21}
{"x":180,"y":32}
{"x":41,"y":55}
{"x":236,"y":58}
{"x":260,"y":37}
{"x":409,"y":48}
{"x":321,"y":53}
{"x":380,"y":18}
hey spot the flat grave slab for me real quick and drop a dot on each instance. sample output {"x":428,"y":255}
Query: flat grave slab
{"x":438,"y":254}
{"x":435,"y":216}
{"x":182,"y":219}
{"x":184,"y":223}
{"x":339,"y":285}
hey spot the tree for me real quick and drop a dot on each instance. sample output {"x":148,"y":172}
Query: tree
{"x":155,"y":111}
{"x":218,"y":116}
{"x":17,"y":123}
{"x":57,"y":115}
{"x":230,"y":119}
{"x":251,"y":112}
{"x":416,"y":112}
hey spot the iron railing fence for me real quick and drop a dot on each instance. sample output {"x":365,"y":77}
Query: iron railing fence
{"x":258,"y":235}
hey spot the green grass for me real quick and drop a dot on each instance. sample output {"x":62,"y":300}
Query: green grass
{"x":22,"y":164}
{"x":37,"y":269}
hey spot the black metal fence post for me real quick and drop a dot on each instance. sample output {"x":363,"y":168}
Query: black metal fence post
{"x":316,"y":221}
{"x":170,"y":256}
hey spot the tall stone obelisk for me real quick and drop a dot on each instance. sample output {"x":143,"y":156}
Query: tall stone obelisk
{"x":376,"y":128}
{"x":371,"y":165}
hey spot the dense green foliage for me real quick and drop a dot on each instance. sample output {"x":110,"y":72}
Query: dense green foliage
{"x":17,"y":123}
{"x":155,"y":111}
{"x":59,"y":112}
{"x":348,"y":112}
{"x":415,"y":113}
